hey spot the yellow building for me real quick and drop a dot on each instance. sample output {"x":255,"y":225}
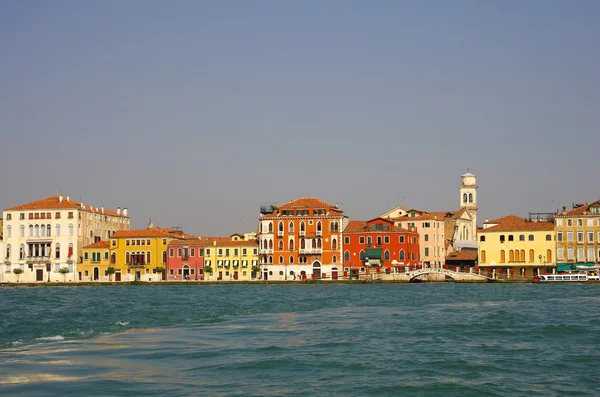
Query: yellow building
{"x":141,"y":254}
{"x":514,"y":246}
{"x":578,"y":236}
{"x":95,"y":262}
{"x":230,"y":258}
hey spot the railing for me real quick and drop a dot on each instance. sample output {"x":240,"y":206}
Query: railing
{"x":280,"y":233}
{"x":311,"y":251}
{"x":266,"y":250}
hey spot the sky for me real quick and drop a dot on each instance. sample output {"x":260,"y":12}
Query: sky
{"x":193,"y":113}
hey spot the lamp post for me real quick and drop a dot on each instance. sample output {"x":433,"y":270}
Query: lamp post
{"x":540,"y":258}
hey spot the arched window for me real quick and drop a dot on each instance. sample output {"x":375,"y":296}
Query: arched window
{"x":164,"y":256}
{"x":319,"y":227}
{"x":8,"y":251}
{"x":22,"y":251}
{"x":37,"y":231}
{"x":522,"y":258}
{"x":291,"y":227}
{"x":331,"y":226}
{"x":336,"y":227}
{"x":334,"y":244}
{"x":334,"y":259}
{"x":30,"y":230}
{"x":502,"y":256}
{"x":70,"y":253}
{"x":270,"y":227}
{"x":470,"y":197}
{"x":319,"y":243}
{"x":148,"y":257}
{"x":57,"y":251}
{"x":291,"y":245}
{"x":265,"y":244}
{"x":280,"y":245}
{"x":57,"y":231}
{"x":401,"y":239}
{"x":531,"y":256}
{"x":464,"y":197}
{"x":314,"y":243}
{"x":270,"y":244}
{"x":386,"y":255}
{"x":482,"y":239}
{"x":22,"y":228}
{"x":280,"y":259}
{"x":548,"y":255}
{"x":43,"y":230}
{"x":302,"y":227}
{"x":270,"y":258}
{"x":482,"y":257}
{"x":48,"y":230}
{"x":8,"y":231}
{"x":548,"y":237}
{"x":113,"y":257}
{"x":362,"y":255}
{"x":401,"y":256}
{"x":280,"y":227}
{"x":291,"y":258}
{"x":302,"y":244}
{"x":511,"y":255}
{"x":346,"y":255}
{"x":70,"y":229}
{"x":127,"y":258}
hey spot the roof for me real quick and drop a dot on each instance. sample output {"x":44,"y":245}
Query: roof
{"x":98,"y":244}
{"x":155,"y":232}
{"x":55,"y":202}
{"x":361,"y":227}
{"x":307,"y":202}
{"x":462,"y":256}
{"x":467,"y":174}
{"x":438,"y":215}
{"x":512,"y":223}
{"x":582,"y":209}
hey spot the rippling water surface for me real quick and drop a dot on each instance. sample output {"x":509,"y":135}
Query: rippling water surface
{"x":318,"y":340}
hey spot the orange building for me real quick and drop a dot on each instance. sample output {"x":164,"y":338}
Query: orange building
{"x":300,"y":239}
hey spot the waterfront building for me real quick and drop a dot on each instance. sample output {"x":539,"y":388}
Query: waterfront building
{"x":377,"y":246}
{"x":95,"y":264}
{"x":185,"y":259}
{"x":141,"y":254}
{"x":517,"y":246}
{"x":578,"y":236}
{"x":231,"y":258}
{"x":300,"y":239}
{"x":44,"y":239}
{"x":442,"y":232}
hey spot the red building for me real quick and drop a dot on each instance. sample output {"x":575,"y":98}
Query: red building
{"x":185,"y":260}
{"x":378,"y":246}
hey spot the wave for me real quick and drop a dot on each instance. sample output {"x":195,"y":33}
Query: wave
{"x":122,"y":323}
{"x":51,"y":338}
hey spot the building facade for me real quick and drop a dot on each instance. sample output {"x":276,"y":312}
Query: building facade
{"x":377,"y":246}
{"x":46,"y":236}
{"x":185,"y":260}
{"x":141,"y":254}
{"x":516,"y":246}
{"x":300,"y":239}
{"x":95,"y":264}
{"x":231,"y":258}
{"x":578,"y":236}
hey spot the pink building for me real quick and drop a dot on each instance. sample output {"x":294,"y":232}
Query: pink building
{"x":185,"y":260}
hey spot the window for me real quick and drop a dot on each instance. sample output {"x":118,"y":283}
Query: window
{"x":570,"y":253}
{"x":291,"y":227}
{"x":192,"y":252}
{"x":426,"y":237}
{"x":9,"y":217}
{"x":470,"y":197}
{"x":560,"y":254}
{"x":426,"y":251}
{"x":148,"y":257}
{"x":70,"y":216}
{"x":531,"y":237}
{"x":559,"y":222}
{"x":244,"y":250}
{"x":70,"y":229}
{"x":227,"y":250}
{"x":85,"y":256}
{"x":369,"y":241}
{"x":401,"y":256}
{"x":511,"y":237}
{"x":580,"y":255}
{"x":8,"y":231}
{"x":334,"y":244}
{"x":502,"y":238}
{"x":579,"y":222}
{"x":559,"y":236}
{"x":511,"y":255}
{"x":580,"y":237}
{"x":164,"y":241}
{"x":521,"y":237}
{"x":48,"y":230}
{"x":270,"y":227}
{"x":482,"y":239}
{"x":531,"y":256}
{"x":590,"y":222}
{"x":179,"y":252}
{"x":569,"y":222}
{"x":220,"y":252}
{"x":291,"y":258}
{"x":280,"y":245}
{"x":569,"y":236}
{"x":378,"y":240}
{"x":362,"y":255}
{"x":164,"y":257}
{"x":548,"y":256}
{"x":346,"y":255}
{"x":386,"y":255}
{"x":482,"y":259}
{"x":590,"y":237}
{"x":22,"y":230}
{"x":502,"y":256}
{"x":361,"y":240}
{"x":401,"y":239}
{"x":386,"y":239}
{"x":346,"y":240}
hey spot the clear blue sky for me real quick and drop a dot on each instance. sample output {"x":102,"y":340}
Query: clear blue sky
{"x":195,"y":112}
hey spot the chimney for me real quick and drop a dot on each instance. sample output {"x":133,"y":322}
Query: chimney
{"x":118,"y":210}
{"x":60,"y":198}
{"x":68,"y":198}
{"x":103,"y":210}
{"x":125,"y":211}
{"x":82,"y":206}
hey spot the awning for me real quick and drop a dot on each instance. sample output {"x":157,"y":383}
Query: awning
{"x":373,"y":253}
{"x":220,"y":263}
{"x":254,"y":263}
{"x":207,"y":263}
{"x":226,"y":263}
{"x":244,"y":263}
{"x":564,"y":267}
{"x":236,"y":263}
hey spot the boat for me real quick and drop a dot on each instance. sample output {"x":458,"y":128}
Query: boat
{"x":566,"y":277}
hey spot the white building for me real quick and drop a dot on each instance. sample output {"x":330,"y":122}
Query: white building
{"x":45,"y":236}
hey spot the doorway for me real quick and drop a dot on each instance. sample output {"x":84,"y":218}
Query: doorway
{"x":96,"y":274}
{"x":266,"y":276}
{"x":39,"y":274}
{"x":118,"y":276}
{"x":316,"y":270}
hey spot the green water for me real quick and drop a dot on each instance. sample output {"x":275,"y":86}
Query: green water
{"x":322,"y":340}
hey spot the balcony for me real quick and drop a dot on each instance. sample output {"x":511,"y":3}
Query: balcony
{"x":266,"y":250}
{"x":133,"y":264}
{"x":30,"y":260}
{"x":310,"y":251}
{"x":280,"y":233}
{"x":319,"y":233}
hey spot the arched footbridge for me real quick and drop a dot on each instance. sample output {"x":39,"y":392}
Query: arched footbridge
{"x":415,"y":274}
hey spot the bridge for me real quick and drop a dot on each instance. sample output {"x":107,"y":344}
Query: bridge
{"x":437,"y":273}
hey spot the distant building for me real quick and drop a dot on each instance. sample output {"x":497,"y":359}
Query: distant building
{"x":578,"y":236}
{"x":300,"y":239}
{"x":45,"y":236}
{"x":231,"y":258}
{"x":378,"y":246}
{"x":516,"y":246}
{"x":96,"y":262}
{"x":185,"y":259}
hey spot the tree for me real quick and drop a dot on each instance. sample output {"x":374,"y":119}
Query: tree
{"x":18,"y":272}
{"x":160,"y":270}
{"x":208,"y":270}
{"x":64,"y":271}
{"x":255,"y":271}
{"x":110,"y":271}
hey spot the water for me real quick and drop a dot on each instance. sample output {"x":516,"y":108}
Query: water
{"x":298,"y":340}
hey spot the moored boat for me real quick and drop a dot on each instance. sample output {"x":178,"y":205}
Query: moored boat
{"x":565,"y":277}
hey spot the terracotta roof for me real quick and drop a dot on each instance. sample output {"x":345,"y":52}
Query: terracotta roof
{"x":510,"y":217}
{"x":514,"y":223}
{"x":439,"y":216}
{"x":361,"y":227}
{"x":307,"y":202}
{"x":54,"y":202}
{"x":99,"y":244}
{"x":462,"y":256}
{"x":580,"y":209}
{"x":155,"y":232}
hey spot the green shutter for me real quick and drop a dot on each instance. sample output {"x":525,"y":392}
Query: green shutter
{"x":373,"y":253}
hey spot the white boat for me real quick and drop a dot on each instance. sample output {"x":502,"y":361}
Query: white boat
{"x":567,"y":277}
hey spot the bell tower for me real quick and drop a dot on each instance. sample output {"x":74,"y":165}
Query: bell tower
{"x":468,"y":196}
